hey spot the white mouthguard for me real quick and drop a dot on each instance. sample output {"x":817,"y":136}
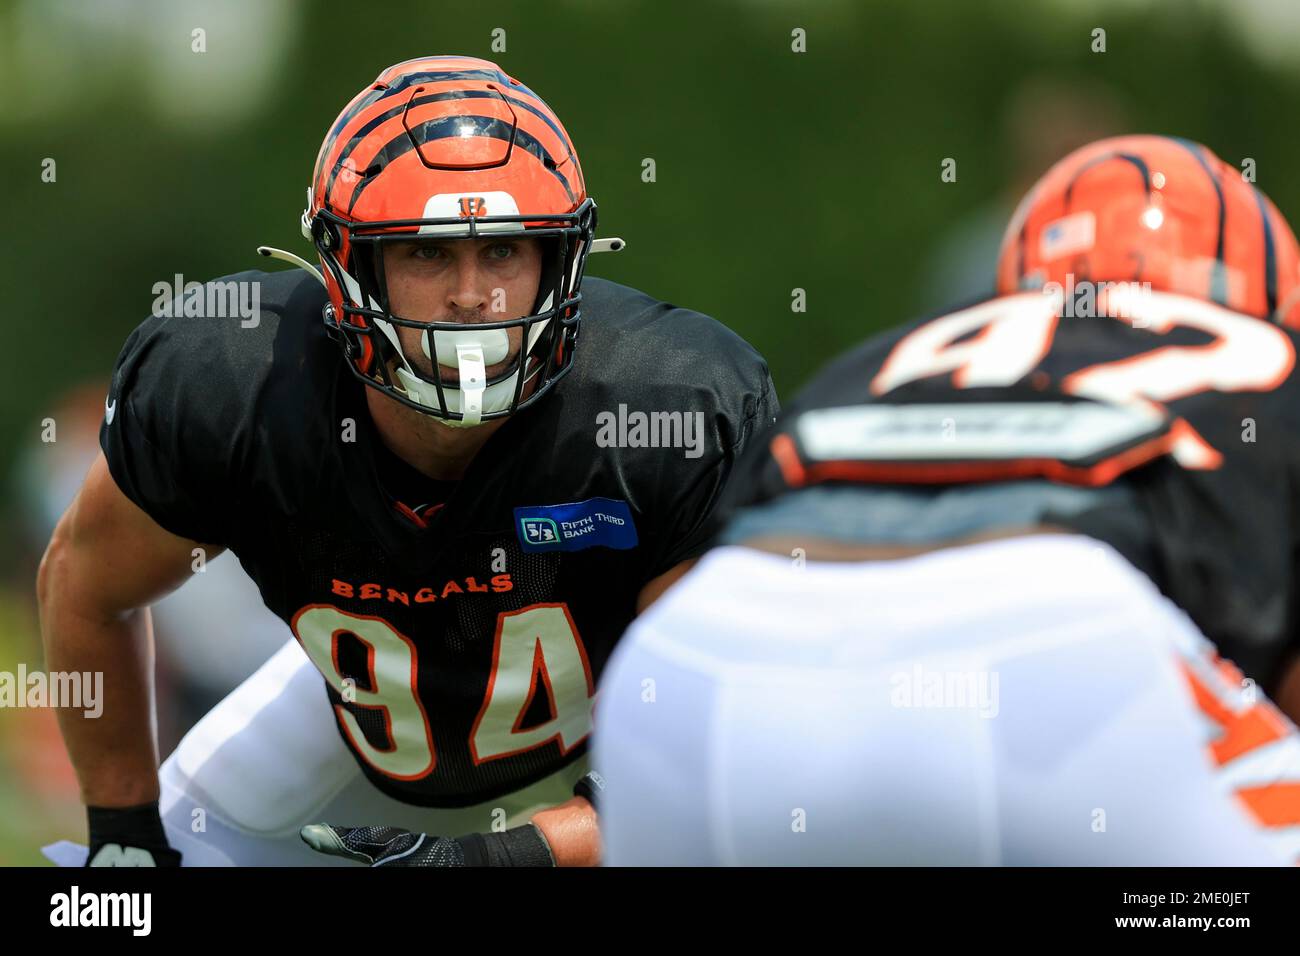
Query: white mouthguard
{"x":494,"y":344}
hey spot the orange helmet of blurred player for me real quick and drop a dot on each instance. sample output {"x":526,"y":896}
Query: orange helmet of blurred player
{"x":1157,"y":210}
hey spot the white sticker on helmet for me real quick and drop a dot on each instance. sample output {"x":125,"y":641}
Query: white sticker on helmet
{"x":1068,"y":236}
{"x":465,"y":206}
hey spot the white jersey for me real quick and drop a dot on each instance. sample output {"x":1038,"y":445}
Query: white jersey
{"x":1027,"y":701}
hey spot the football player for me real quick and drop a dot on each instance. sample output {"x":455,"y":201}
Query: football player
{"x":960,"y":607}
{"x":452,"y":465}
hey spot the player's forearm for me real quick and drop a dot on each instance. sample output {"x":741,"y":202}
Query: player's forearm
{"x":571,"y":830}
{"x":113,"y":749}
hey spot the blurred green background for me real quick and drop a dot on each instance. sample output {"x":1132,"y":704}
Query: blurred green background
{"x":775,"y":170}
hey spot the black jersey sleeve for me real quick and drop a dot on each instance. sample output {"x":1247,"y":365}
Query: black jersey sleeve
{"x":148,"y":457}
{"x":697,"y":515}
{"x":709,"y":372}
{"x":641,"y":359}
{"x":180,"y":418}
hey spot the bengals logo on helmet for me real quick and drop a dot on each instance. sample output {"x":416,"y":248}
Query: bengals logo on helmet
{"x":472,"y":206}
{"x":1156,"y":210}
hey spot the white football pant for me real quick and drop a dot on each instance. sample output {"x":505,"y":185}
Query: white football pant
{"x":269,"y":759}
{"x":1027,"y":701}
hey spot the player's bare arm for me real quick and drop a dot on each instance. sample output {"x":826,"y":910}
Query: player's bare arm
{"x":106,"y":562}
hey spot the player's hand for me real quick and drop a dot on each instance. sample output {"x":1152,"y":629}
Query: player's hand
{"x":128,"y":836}
{"x":389,"y":846}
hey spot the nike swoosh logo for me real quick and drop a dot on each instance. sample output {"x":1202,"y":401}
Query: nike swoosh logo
{"x":110,"y":408}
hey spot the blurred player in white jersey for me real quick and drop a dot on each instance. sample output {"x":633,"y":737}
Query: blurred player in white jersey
{"x":971,"y":599}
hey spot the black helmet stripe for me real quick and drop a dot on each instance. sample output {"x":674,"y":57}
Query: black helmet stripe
{"x":385,"y":116}
{"x":1270,"y":245}
{"x":442,"y":76}
{"x":375,"y":94}
{"x":344,"y":119}
{"x":449,"y":127}
{"x":1137,"y":162}
{"x":1270,"y":253}
{"x":1195,"y":150}
{"x":1218,"y":281}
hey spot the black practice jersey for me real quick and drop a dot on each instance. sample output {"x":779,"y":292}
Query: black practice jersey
{"x":1183,"y":416}
{"x":460,"y":627}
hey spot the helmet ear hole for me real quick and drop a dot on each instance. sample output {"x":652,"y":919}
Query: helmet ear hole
{"x":324,"y":234}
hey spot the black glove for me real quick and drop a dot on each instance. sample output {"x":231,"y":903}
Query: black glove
{"x":591,"y":787}
{"x":389,"y":846}
{"x":128,"y":836}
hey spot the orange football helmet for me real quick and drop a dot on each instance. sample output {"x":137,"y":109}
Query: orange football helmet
{"x":1158,"y":210}
{"x":450,"y":147}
